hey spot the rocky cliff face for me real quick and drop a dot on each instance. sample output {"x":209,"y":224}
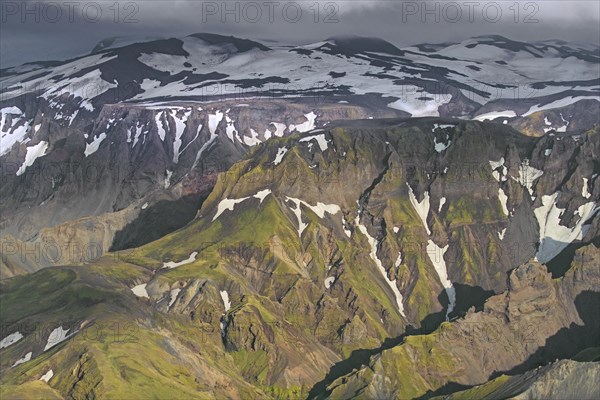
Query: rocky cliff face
{"x":120,"y":147}
{"x":562,"y":379}
{"x":343,"y":248}
{"x":133,"y":174}
{"x":535,"y":321}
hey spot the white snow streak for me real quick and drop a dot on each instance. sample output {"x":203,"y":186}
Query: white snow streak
{"x":173,"y":264}
{"x":225,"y":298}
{"x":10,"y":339}
{"x":279,"y":156}
{"x":47,"y":376}
{"x":91,"y":148}
{"x":436,"y":255}
{"x":373,"y":254}
{"x":422,"y":207}
{"x":321,"y":141}
{"x":503,"y":198}
{"x":33,"y":153}
{"x":140,"y":290}
{"x":25,"y":358}
{"x":57,"y":336}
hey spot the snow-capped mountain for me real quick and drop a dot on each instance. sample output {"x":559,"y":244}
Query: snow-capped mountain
{"x":453,"y":80}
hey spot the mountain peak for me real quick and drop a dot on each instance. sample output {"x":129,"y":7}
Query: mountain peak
{"x":359,"y":44}
{"x":121,"y":41}
{"x":241,"y":44}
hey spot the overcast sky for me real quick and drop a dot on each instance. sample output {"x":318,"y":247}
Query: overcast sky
{"x":47,"y":30}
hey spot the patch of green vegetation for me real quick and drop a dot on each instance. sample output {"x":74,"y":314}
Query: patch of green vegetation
{"x":422,"y":297}
{"x":462,"y":211}
{"x":253,"y":365}
{"x":46,"y":291}
{"x":29,"y":390}
{"x":290,"y":393}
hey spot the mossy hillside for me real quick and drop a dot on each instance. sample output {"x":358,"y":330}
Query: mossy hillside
{"x":256,"y":231}
{"x":373,"y":294}
{"x":107,"y":352}
{"x":463,"y":211}
{"x":423,"y":289}
{"x":35,"y":389}
{"x":418,"y":279}
{"x":485,"y":391}
{"x":27,"y":295}
{"x":420,"y":365}
{"x":114,"y":267}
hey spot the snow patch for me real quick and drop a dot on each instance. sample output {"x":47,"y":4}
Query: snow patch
{"x":57,"y":336}
{"x":305,"y":126}
{"x":320,"y":139}
{"x":497,"y":165}
{"x":159,"y":126}
{"x":373,"y":254}
{"x":25,"y":358}
{"x":33,"y":153}
{"x":420,"y":108}
{"x":441,"y":146}
{"x":173,"y":264}
{"x":495,"y":114}
{"x":279,"y":130}
{"x":554,"y":237}
{"x":585,"y":190}
{"x":558,"y":103}
{"x":398,"y":260}
{"x":213,"y":121}
{"x":503,"y":198}
{"x":140,"y":290}
{"x":225,"y":298}
{"x":347,"y":231}
{"x":227,"y":204}
{"x":91,"y":148}
{"x":329,"y":281}
{"x":501,"y":234}
{"x":262,"y":194}
{"x":422,"y":207}
{"x":320,"y":209}
{"x":47,"y":376}
{"x":173,"y":297}
{"x":253,"y":140}
{"x":442,"y":126}
{"x":10,"y":339}
{"x":279,"y":156}
{"x":527,"y":175}
{"x":442,"y":202}
{"x":436,"y":255}
{"x":180,"y":125}
{"x":168,"y":179}
{"x":230,"y":130}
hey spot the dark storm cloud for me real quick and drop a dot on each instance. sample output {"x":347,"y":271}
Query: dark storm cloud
{"x":41,"y":30}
